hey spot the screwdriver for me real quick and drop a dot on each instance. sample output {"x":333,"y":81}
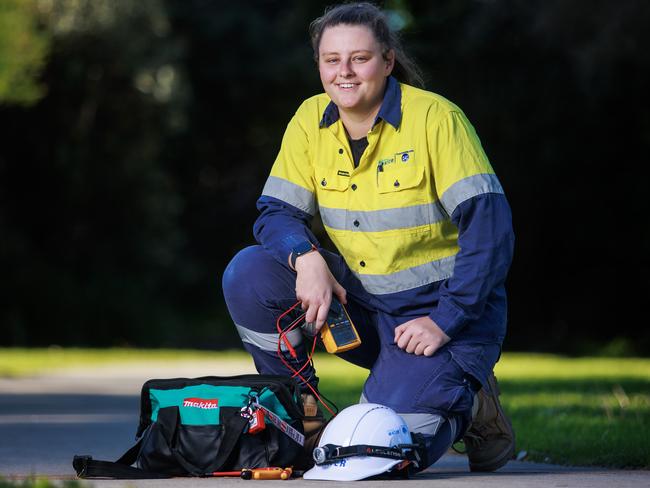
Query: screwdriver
{"x":271,"y":473}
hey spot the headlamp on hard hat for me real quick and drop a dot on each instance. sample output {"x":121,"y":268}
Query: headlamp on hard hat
{"x":330,"y":453}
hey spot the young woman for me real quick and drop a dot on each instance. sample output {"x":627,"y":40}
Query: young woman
{"x":413,"y":206}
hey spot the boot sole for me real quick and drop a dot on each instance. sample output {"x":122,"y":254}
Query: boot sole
{"x":494,"y":465}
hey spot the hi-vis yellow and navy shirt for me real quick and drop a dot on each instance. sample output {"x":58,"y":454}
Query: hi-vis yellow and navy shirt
{"x":421,"y":221}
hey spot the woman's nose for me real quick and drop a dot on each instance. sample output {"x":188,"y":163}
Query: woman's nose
{"x":345,"y":69}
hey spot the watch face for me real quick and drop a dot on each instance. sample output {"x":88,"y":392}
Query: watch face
{"x":302,"y":248}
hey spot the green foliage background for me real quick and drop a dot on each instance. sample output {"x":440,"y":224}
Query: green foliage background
{"x":23,"y":50}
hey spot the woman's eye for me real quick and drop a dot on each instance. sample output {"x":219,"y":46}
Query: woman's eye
{"x":331,"y":60}
{"x":360,"y":59}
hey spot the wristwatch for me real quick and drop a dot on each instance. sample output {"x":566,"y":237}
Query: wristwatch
{"x":305,"y":247}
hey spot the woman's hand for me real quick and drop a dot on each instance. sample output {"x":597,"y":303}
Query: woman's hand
{"x":314,"y":287}
{"x":420,"y":336}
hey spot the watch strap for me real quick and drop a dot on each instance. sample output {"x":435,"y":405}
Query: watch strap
{"x":301,"y":250}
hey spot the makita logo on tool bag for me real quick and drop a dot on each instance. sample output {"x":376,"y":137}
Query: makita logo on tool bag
{"x":201,"y":403}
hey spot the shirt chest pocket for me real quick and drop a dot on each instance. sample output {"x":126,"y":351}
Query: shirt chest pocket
{"x":331,"y":185}
{"x":402,"y":184}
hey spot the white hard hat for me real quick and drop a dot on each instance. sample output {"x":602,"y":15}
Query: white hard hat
{"x":361,"y":441}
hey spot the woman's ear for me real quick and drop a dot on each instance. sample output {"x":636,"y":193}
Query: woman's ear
{"x":389,"y":59}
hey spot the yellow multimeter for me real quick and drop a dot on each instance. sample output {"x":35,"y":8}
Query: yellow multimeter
{"x":338,"y":333}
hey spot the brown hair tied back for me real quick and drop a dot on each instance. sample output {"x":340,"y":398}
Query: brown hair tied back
{"x":373,"y":18}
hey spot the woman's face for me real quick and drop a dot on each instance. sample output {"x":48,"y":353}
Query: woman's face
{"x":352,"y":68}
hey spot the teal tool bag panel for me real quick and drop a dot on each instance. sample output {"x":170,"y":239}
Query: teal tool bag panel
{"x":200,"y":404}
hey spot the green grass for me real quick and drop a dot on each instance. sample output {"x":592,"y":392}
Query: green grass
{"x":587,"y":411}
{"x":584,"y":411}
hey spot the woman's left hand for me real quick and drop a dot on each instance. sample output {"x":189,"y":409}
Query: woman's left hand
{"x":420,"y":336}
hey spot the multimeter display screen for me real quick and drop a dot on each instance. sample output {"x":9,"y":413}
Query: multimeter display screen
{"x":343,"y":334}
{"x":339,"y":324}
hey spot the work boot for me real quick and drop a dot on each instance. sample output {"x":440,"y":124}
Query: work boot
{"x":314,"y":423}
{"x":490,"y":439}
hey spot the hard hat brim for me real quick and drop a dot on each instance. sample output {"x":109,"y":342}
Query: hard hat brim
{"x":353,"y":469}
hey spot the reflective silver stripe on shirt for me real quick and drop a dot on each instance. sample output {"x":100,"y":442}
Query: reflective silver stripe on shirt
{"x":379,"y":220}
{"x":469,"y":187}
{"x":408,"y":279}
{"x":291,"y":193}
{"x":268,"y":342}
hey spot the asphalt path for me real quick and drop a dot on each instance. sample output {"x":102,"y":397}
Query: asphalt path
{"x":46,"y":420}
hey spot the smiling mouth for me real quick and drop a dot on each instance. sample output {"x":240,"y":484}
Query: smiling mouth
{"x":347,"y":85}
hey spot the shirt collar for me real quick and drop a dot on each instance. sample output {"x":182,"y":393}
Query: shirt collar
{"x":390,"y":110}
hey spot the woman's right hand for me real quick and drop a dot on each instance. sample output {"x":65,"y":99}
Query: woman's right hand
{"x":315,"y":285}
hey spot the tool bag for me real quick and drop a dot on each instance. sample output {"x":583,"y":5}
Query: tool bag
{"x":196,"y":427}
